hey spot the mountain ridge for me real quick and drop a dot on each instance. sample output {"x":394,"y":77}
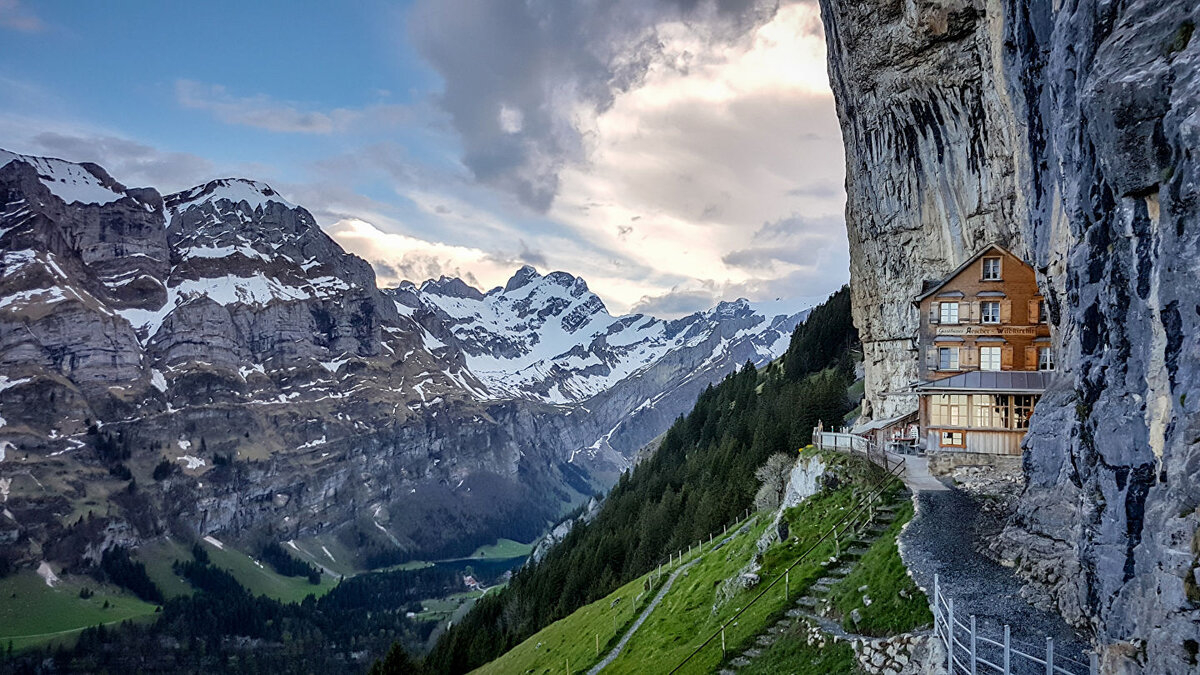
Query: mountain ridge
{"x":222,"y":322}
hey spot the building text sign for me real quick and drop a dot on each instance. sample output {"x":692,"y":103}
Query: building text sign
{"x":986,"y":330}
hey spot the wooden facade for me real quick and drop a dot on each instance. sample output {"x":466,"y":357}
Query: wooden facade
{"x":987,"y":318}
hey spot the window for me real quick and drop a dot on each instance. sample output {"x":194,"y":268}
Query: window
{"x":989,"y":358}
{"x":949,"y":312}
{"x":990,"y":311}
{"x":949,"y":410}
{"x":1041,"y":311}
{"x":1045,"y":358}
{"x":989,"y":411}
{"x":952,"y":439}
{"x":1022,"y":409}
{"x":947,"y":358}
{"x":991,"y":269}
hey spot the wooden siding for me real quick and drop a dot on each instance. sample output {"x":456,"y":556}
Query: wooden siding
{"x":1019,"y":299}
{"x":986,"y":442}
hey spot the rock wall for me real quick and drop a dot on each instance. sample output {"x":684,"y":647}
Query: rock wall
{"x":1066,"y":130}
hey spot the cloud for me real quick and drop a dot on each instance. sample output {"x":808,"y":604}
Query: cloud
{"x":15,"y":16}
{"x":795,"y":241}
{"x":400,"y":257}
{"x":263,"y":112}
{"x":518,"y":75}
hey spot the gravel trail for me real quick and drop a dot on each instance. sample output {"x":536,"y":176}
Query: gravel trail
{"x":941,"y":539}
{"x":642,"y":618}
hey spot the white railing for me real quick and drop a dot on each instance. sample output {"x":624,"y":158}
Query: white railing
{"x":853,"y":443}
{"x":969,"y":651}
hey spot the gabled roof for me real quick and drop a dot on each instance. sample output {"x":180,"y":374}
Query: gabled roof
{"x":959,"y":270}
{"x":990,"y":381}
{"x":885,"y":423}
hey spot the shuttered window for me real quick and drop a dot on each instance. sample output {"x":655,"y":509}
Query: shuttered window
{"x":949,"y":312}
{"x":990,"y":311}
{"x":947,"y":358}
{"x":989,"y":358}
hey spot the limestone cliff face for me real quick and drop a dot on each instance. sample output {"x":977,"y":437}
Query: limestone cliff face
{"x":1067,"y":131}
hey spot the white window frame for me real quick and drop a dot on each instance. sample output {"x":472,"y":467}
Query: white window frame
{"x":984,"y":317}
{"x":952,"y":362}
{"x":999,"y":271}
{"x":948,"y":313}
{"x":990,"y":358}
{"x":1045,"y":358}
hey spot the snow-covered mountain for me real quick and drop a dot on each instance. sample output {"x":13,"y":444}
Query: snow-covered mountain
{"x":220,"y":331}
{"x":549,"y":338}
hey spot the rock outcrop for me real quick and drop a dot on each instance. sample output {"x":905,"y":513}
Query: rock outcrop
{"x":1066,"y":131}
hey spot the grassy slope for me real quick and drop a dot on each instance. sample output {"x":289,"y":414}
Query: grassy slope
{"x":258,"y":578}
{"x":32,"y":613}
{"x":885,"y":575}
{"x":793,"y":655}
{"x":685,"y":617}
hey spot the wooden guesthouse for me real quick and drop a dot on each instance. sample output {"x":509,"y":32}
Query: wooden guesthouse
{"x":986,"y":355}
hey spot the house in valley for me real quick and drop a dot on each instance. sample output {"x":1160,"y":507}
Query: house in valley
{"x":985,"y":355}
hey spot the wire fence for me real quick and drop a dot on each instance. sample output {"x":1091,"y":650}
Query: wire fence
{"x":970,"y":651}
{"x":849,"y":521}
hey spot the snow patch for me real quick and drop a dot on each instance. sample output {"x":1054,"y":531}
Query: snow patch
{"x":158,"y":381}
{"x":192,"y":462}
{"x":213,"y":540}
{"x":68,"y":181}
{"x":47,"y":574}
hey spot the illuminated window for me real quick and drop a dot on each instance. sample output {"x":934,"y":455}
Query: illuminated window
{"x":991,"y":269}
{"x":1045,"y":358}
{"x":991,"y":311}
{"x":952,"y":439}
{"x":947,"y":358}
{"x":989,"y":358}
{"x":949,"y":312}
{"x":949,"y":410}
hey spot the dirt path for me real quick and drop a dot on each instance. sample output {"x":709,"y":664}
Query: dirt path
{"x":941,"y":539}
{"x":641,"y":618}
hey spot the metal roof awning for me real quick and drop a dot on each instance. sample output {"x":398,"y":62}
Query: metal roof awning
{"x":882,"y":424}
{"x":990,"y":381}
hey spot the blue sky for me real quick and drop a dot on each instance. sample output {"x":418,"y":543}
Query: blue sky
{"x":673,"y":153}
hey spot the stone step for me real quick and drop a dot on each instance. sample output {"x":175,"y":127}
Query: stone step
{"x":727,"y":671}
{"x":740,"y":662}
{"x":752,"y":653}
{"x":794,"y":613}
{"x":858,"y":551}
{"x":806,"y":601}
{"x":766,"y":640}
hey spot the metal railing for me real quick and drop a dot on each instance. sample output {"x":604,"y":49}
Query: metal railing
{"x":971,"y":652}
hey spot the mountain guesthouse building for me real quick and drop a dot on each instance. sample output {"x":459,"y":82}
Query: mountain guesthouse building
{"x":985,"y":355}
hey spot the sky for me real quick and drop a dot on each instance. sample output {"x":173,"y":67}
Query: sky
{"x":673,"y":153}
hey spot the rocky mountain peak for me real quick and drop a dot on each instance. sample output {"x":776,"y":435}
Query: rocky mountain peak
{"x":523,"y":276}
{"x":234,"y":190}
{"x":84,"y":183}
{"x":452,"y":287}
